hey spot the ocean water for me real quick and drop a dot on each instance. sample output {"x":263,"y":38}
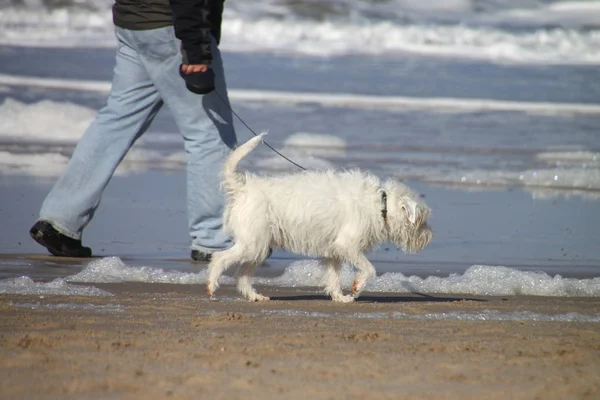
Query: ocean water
{"x":489,"y":108}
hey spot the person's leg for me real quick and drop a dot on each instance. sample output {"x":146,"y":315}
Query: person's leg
{"x":132,"y":104}
{"x":206,"y":123}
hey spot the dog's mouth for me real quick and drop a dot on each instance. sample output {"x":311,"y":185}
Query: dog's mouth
{"x":417,"y":239}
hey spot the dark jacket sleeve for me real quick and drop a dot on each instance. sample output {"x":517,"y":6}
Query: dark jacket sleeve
{"x":194,"y":22}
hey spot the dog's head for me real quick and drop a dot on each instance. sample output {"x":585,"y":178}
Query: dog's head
{"x":407,"y":218}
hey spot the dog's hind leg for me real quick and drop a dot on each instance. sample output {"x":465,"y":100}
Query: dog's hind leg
{"x":366,"y":271}
{"x":244,"y":282}
{"x":332,"y":281}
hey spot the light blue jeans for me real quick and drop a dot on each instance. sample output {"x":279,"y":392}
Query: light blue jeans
{"x":145,"y":77}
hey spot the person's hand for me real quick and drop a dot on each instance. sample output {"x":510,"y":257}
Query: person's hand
{"x":199,"y":78}
{"x":191,"y":68}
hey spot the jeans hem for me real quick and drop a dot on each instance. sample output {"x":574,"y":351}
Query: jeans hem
{"x":208,"y":250}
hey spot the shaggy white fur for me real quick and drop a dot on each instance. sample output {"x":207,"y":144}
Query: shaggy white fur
{"x":330,"y":214}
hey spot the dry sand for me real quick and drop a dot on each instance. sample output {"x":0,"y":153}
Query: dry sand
{"x":168,"y":341}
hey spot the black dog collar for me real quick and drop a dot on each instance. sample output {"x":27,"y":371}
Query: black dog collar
{"x":384,"y":205}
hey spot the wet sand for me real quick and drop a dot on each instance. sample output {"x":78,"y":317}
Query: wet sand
{"x":156,"y":341}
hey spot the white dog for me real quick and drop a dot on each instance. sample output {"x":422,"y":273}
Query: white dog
{"x":329,"y":214}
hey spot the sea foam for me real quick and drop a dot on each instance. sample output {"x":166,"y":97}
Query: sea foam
{"x":497,"y":30}
{"x":26,"y":285}
{"x":483,"y":315}
{"x":45,"y":120}
{"x":114,"y":270}
{"x":476,"y":280}
{"x":43,"y":134}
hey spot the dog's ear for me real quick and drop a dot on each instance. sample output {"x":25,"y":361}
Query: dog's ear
{"x":409,"y":207}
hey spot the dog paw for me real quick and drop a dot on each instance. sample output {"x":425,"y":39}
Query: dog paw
{"x":358,"y":287}
{"x":258,"y":297}
{"x":211,"y":288}
{"x":343,"y":299}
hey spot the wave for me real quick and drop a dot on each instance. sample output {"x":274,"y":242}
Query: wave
{"x":498,"y":31}
{"x":36,"y":139}
{"x":542,"y":46}
{"x":439,"y":104}
{"x":46,"y":120}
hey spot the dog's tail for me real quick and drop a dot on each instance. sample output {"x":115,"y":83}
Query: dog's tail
{"x":231,"y":178}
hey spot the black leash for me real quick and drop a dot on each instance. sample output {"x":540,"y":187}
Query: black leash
{"x":251,"y":130}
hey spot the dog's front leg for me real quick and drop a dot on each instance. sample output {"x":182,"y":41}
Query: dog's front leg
{"x":366,"y":271}
{"x":332,"y":281}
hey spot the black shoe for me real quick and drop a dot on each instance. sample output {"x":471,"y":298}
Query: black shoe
{"x":57,"y":243}
{"x":201,"y":256}
{"x":198,"y":255}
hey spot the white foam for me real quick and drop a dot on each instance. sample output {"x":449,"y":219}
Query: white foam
{"x":317,"y":144}
{"x":550,"y":193}
{"x":439,"y":104}
{"x":495,"y":315}
{"x":584,"y":178}
{"x":110,"y":308}
{"x":492,"y":281}
{"x":306,"y":149}
{"x":434,"y":6}
{"x":40,"y":165}
{"x":114,"y":270}
{"x":483,"y":315}
{"x":27,"y":286}
{"x":300,"y":157}
{"x":62,"y":123}
{"x":567,"y":14}
{"x":453,"y":28}
{"x":301,"y":274}
{"x":45,"y":120}
{"x":58,"y":27}
{"x":399,"y":26}
{"x":401,"y":103}
{"x":560,"y":178}
{"x":32,"y":126}
{"x":297,"y":313}
{"x":476,"y":280}
{"x":568,"y":171}
{"x":50,"y":165}
{"x":54,"y":83}
{"x":577,"y":157}
{"x":554,"y":46}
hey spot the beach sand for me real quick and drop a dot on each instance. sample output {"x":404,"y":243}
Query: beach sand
{"x":154,"y":341}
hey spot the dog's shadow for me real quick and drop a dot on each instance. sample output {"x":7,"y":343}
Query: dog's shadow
{"x":417,"y":297}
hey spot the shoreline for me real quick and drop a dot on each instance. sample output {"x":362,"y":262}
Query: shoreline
{"x":157,"y":341}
